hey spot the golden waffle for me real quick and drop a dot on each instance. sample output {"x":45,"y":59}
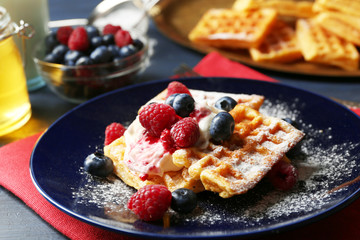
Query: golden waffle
{"x":290,"y":8}
{"x":233,"y":168}
{"x":239,"y":164}
{"x":349,"y":7}
{"x":343,"y":25}
{"x":321,"y":46}
{"x":176,"y":179}
{"x":280,"y":45}
{"x":227,"y":28}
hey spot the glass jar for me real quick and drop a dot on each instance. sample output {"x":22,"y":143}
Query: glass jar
{"x":15,"y":108}
{"x":35,"y":13}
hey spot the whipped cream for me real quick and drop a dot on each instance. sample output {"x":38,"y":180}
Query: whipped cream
{"x":149,"y":156}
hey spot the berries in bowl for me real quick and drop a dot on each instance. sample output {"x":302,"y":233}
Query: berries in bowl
{"x":81,"y":62}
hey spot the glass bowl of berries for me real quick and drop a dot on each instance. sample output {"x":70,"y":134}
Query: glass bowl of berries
{"x":81,"y":62}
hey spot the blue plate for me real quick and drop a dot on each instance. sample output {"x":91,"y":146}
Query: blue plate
{"x":328,"y":159}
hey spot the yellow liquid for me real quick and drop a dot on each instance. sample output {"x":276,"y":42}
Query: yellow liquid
{"x":15,"y":108}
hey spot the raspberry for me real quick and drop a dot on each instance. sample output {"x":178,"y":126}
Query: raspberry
{"x":283,"y":175}
{"x":167,"y":141}
{"x":113,"y":131}
{"x":176,"y":87}
{"x":123,"y":38}
{"x":185,"y":132}
{"x":110,"y":29}
{"x":78,"y":40}
{"x":157,"y":117}
{"x":63,"y":34}
{"x":150,"y":202}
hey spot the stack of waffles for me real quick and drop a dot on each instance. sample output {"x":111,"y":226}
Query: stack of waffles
{"x":322,"y":32}
{"x":230,"y":168}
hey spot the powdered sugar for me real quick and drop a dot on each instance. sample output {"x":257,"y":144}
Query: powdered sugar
{"x":321,"y":168}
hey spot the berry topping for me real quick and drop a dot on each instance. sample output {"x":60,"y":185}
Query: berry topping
{"x":63,"y":34}
{"x":110,"y":29}
{"x":225,"y":103}
{"x":78,"y":40}
{"x":167,"y":141}
{"x":176,"y":87}
{"x":185,"y":132}
{"x":183,"y":200}
{"x":98,"y":164}
{"x":123,"y":38}
{"x":222,"y":126}
{"x":157,"y":117}
{"x":183,"y":104}
{"x":283,"y":175}
{"x":113,"y":131}
{"x":150,"y":202}
{"x":170,"y":99}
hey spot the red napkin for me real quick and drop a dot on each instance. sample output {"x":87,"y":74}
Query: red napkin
{"x":14,"y":162}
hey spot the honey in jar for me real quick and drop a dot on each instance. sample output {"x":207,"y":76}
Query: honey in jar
{"x":15,"y":108}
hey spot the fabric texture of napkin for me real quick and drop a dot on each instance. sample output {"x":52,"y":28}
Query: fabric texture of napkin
{"x":15,"y":176}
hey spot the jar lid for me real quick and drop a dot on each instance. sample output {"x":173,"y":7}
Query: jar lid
{"x":5,"y":20}
{"x":9,"y":28}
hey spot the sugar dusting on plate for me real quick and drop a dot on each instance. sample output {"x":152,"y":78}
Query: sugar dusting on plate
{"x":320,"y":168}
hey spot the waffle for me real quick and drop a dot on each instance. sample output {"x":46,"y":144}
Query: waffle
{"x":172,"y":180}
{"x":239,"y":164}
{"x":349,"y":7}
{"x":227,"y":28}
{"x":342,"y":25}
{"x":279,"y":45}
{"x":321,"y":46}
{"x":229,"y":169}
{"x":289,"y":8}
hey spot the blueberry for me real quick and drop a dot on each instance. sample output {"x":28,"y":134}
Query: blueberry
{"x":183,"y":200}
{"x":52,"y":58}
{"x":138,"y":44}
{"x":183,"y":104}
{"x":170,"y":100}
{"x":291,"y":121}
{"x":98,"y":164}
{"x":114,"y":50}
{"x":101,"y":55}
{"x":222,"y":127}
{"x":84,"y":60}
{"x":69,"y":63}
{"x":59,"y":51}
{"x":91,"y":31}
{"x":72,"y":56}
{"x":96,"y":42}
{"x":127,"y":50}
{"x":225,"y":103}
{"x":108,"y":39}
{"x":51,"y":41}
